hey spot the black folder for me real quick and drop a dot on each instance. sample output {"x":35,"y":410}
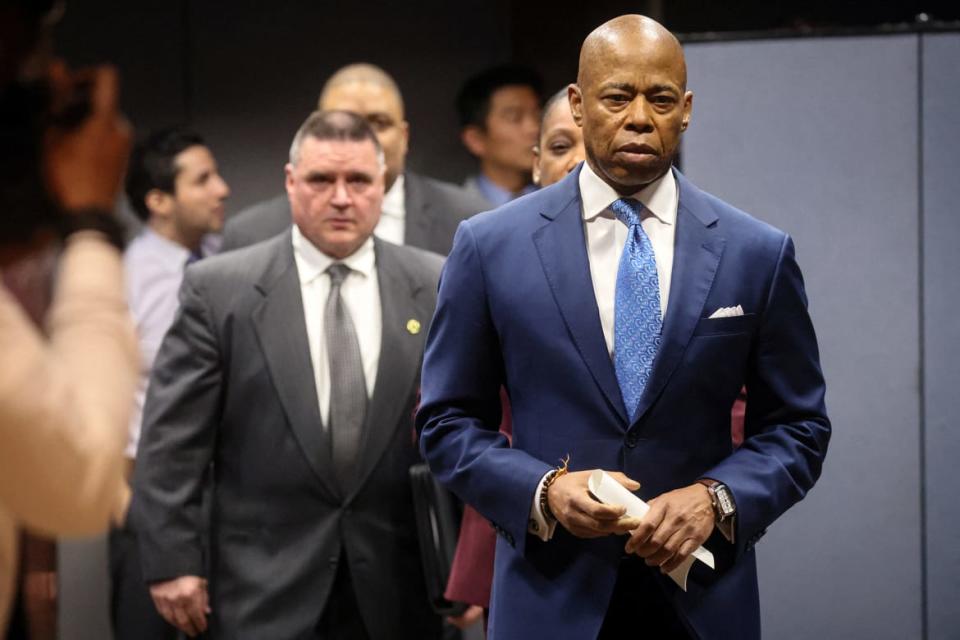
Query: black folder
{"x":438,"y":526}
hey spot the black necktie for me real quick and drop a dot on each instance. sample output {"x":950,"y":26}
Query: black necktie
{"x":348,"y":389}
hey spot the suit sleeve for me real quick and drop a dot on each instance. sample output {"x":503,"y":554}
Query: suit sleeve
{"x":786,"y":429}
{"x":64,"y":403}
{"x":233,"y":237}
{"x":460,"y":409}
{"x":180,"y":419}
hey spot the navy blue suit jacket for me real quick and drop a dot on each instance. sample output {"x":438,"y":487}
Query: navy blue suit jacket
{"x":516,"y":307}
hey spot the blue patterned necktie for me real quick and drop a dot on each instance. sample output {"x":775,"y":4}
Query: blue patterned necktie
{"x":637,"y":321}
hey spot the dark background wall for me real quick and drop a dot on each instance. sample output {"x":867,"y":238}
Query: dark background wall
{"x":245,"y":73}
{"x":848,"y":143}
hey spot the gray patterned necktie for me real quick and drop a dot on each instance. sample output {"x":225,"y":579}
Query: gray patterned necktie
{"x":348,"y":389}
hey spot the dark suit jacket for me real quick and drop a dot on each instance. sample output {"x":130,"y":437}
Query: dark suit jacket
{"x":233,"y":385}
{"x":517,"y":308}
{"x":433,"y":211}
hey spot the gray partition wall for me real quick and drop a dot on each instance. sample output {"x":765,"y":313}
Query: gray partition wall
{"x":846,"y":145}
{"x":941,"y":325}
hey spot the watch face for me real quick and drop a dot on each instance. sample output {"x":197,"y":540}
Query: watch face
{"x":725,"y":503}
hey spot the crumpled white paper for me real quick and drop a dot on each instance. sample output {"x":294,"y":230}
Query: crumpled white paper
{"x":609,"y":491}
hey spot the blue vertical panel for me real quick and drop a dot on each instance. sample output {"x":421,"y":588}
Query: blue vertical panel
{"x":941,"y":282}
{"x":819,"y":137}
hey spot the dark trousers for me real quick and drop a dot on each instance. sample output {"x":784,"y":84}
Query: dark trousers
{"x":17,"y":626}
{"x":341,"y":619}
{"x":132,"y":612}
{"x":639,"y":609}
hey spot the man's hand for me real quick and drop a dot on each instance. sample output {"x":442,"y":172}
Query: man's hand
{"x":84,"y":164}
{"x":580,"y":514}
{"x":678,"y":522}
{"x":183,"y":603}
{"x":468,"y":618}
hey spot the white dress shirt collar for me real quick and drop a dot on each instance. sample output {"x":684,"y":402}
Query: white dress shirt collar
{"x":393,"y":200}
{"x":659,"y":197}
{"x":392,"y":225}
{"x":311,"y":262}
{"x":360,"y":293}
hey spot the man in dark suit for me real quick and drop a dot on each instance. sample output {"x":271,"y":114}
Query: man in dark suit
{"x":623,"y":309}
{"x":417,"y":211}
{"x":293,"y":367}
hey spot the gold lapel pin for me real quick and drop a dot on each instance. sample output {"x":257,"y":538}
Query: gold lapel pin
{"x":413,"y":326}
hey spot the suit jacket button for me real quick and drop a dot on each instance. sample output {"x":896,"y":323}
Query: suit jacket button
{"x":334,"y":560}
{"x":631,"y":440}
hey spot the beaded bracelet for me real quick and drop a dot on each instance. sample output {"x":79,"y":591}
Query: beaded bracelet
{"x":550,"y":478}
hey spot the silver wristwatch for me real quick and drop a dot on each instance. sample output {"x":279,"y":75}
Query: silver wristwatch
{"x":722,"y":498}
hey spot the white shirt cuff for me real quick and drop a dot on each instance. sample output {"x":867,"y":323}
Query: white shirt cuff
{"x":539,"y":525}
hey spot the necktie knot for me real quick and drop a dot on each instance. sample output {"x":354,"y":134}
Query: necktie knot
{"x":338,"y":273}
{"x":627,"y":211}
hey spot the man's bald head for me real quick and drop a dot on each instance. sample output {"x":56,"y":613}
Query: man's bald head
{"x":630,"y":31}
{"x":369,"y":91}
{"x":631,"y":100}
{"x":362,"y":73}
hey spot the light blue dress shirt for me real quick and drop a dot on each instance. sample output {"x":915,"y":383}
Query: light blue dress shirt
{"x":153,"y":267}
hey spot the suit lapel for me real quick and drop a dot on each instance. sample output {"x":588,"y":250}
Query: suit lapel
{"x":697,"y":250}
{"x":281,"y":330}
{"x":400,"y":356}
{"x":416,"y":212}
{"x":563,"y":254}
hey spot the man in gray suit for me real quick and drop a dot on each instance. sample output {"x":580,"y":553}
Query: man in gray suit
{"x":417,"y":210}
{"x":293,"y":366}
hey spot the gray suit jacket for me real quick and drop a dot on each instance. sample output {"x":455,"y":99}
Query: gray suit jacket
{"x":233,"y":385}
{"x":470,"y":186}
{"x":433,"y":211}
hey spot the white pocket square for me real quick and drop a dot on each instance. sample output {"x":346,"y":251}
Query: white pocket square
{"x":726,"y":312}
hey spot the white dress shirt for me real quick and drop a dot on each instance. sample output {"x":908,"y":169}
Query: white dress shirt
{"x":392,"y":225}
{"x":361,"y":295}
{"x":153,"y":269}
{"x":606,"y":237}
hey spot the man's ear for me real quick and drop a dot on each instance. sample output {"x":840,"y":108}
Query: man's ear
{"x":687,"y":110}
{"x":159,"y":203}
{"x":474,"y":140}
{"x":536,"y":165}
{"x":288,"y":180}
{"x":575,"y":98}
